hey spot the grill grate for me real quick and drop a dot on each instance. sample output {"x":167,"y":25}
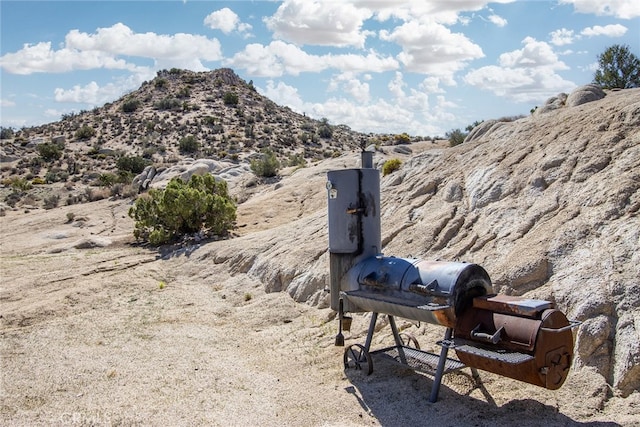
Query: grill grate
{"x":418,"y":360}
{"x":502,"y":356}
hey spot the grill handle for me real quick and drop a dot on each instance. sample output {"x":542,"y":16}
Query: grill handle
{"x":483,"y":336}
{"x":572,"y":324}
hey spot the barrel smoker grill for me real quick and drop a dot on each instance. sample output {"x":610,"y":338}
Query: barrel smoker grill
{"x":524,"y":339}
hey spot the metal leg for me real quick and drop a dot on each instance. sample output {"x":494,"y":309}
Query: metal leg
{"x":441,"y":364}
{"x":475,"y":375}
{"x":372,"y":326}
{"x":396,"y":337}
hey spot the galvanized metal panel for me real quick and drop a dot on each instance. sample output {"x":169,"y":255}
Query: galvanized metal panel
{"x":354,"y":211}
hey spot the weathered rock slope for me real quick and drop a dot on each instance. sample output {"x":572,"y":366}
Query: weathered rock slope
{"x":548,"y":204}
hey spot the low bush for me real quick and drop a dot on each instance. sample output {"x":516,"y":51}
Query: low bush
{"x":85,"y":132}
{"x":189,"y":144}
{"x":455,"y":137}
{"x":134,"y":164}
{"x":230,"y":98}
{"x":51,"y":201}
{"x":130,"y":105}
{"x":49,"y":151}
{"x":267,"y":166}
{"x":200,"y":205}
{"x":391,"y":166}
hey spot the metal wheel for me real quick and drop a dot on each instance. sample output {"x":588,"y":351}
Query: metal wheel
{"x":358,"y":358}
{"x":408,"y":340}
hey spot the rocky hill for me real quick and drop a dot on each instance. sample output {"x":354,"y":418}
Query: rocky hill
{"x":179,"y":114}
{"x":237,"y":332}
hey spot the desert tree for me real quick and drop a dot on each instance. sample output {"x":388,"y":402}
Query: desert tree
{"x":618,"y":68}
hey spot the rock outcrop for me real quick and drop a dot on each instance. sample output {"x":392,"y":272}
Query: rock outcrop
{"x":548,"y":204}
{"x":150,"y":177}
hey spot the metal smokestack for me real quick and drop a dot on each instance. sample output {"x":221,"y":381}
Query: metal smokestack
{"x":366,"y":159}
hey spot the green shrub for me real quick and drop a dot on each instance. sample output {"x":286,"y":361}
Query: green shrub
{"x":267,"y":166}
{"x":107,"y":179}
{"x":6,"y":133}
{"x":230,"y":98}
{"x":297,"y":159}
{"x":184,"y":92}
{"x":324,"y":130}
{"x":19,"y":184}
{"x":201,"y":205}
{"x":189,"y":144}
{"x":209,"y":120}
{"x":455,"y":137}
{"x":56,"y":175}
{"x":49,"y":152}
{"x":402,"y":138}
{"x":130,"y":105}
{"x":134,"y":164}
{"x":51,"y":201}
{"x":391,"y":166}
{"x":168,"y":103}
{"x":85,"y":132}
{"x":161,"y":83}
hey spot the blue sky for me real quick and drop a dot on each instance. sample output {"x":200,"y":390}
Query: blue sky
{"x":423,"y":67}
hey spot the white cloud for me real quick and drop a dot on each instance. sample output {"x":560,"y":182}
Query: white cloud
{"x":616,"y":30}
{"x":40,"y":58}
{"x":431,"y":85}
{"x":5,"y":103}
{"x":396,"y":86}
{"x":591,"y":68}
{"x":348,"y":83}
{"x":279,"y":58}
{"x":226,"y":21}
{"x":276,"y":59}
{"x":83,"y":51}
{"x":411,"y":110}
{"x":625,"y":9}
{"x":284,"y":94}
{"x":121,"y":40}
{"x":94,"y":94}
{"x":314,"y":22}
{"x":432,"y":48}
{"x":439,"y":11}
{"x":524,"y":75}
{"x":498,"y":20}
{"x":50,"y":112}
{"x":361,"y":63}
{"x":533,"y":54}
{"x":562,"y":37}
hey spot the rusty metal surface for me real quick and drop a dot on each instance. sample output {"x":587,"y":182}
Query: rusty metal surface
{"x":550,"y":351}
{"x":393,"y":306}
{"x":513,"y":305}
{"x":518,"y":333}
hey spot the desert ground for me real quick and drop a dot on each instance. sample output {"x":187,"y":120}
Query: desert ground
{"x":97,"y":330}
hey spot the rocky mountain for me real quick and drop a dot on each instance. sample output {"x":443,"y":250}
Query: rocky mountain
{"x":179,"y":114}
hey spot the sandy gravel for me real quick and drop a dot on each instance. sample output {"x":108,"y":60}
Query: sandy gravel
{"x":97,"y":331}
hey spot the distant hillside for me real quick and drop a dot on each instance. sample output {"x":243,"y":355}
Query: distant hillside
{"x":179,"y":114}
